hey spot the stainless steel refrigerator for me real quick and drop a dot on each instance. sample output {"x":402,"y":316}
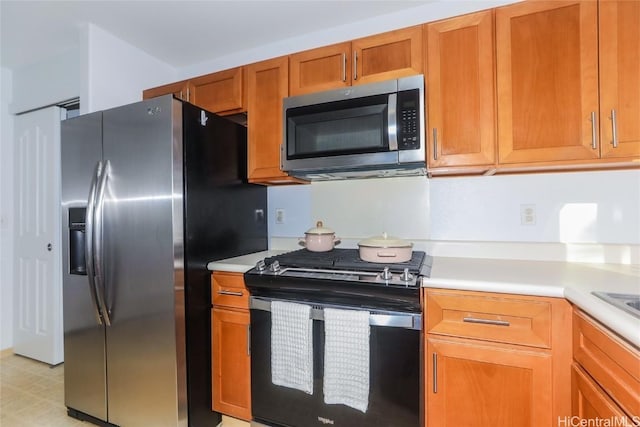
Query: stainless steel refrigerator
{"x":151,"y":192}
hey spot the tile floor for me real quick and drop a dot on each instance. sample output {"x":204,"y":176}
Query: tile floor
{"x":32,"y":394}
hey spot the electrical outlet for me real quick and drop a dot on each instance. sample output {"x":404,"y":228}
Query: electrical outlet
{"x":527,"y":214}
{"x":279,"y":216}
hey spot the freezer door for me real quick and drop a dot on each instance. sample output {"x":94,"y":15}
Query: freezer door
{"x":84,"y":346}
{"x":142,"y":260}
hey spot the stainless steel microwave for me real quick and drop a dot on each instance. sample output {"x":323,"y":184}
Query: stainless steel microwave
{"x":371,"y":130}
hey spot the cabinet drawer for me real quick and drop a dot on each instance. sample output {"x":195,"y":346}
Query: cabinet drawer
{"x":489,"y":317}
{"x":611,"y":362}
{"x":227,"y":289}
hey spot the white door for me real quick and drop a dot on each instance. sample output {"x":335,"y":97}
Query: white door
{"x":38,"y":332}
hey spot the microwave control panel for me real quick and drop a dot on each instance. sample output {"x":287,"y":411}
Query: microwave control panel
{"x":409,"y":120}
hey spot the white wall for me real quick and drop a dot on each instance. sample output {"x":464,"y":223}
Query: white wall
{"x":579,"y":216}
{"x":46,"y":83}
{"x":113,"y":72}
{"x":6,"y":210}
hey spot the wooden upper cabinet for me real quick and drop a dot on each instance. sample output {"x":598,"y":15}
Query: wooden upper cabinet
{"x":222,"y":92}
{"x":619,"y":40}
{"x":387,"y":56}
{"x":460,"y":85}
{"x":267,"y":86}
{"x":547,"y":81}
{"x":370,"y":59}
{"x":180,"y":90}
{"x":320,"y":69}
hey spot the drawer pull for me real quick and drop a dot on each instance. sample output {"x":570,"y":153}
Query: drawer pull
{"x":486,"y":321}
{"x":232,"y":293}
{"x":435,"y":373}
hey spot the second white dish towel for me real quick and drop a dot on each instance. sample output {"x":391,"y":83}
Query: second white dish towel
{"x":346,"y":358}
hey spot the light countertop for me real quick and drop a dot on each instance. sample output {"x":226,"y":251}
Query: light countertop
{"x":574,"y":281}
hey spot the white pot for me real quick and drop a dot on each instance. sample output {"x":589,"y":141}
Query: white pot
{"x":385,"y":249}
{"x":319,"y":239}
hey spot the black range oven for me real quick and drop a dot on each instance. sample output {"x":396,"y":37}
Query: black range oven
{"x":389,"y":294}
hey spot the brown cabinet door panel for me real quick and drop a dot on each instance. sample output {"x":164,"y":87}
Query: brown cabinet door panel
{"x":619,"y":34}
{"x":320,"y":69}
{"x":547,"y":81}
{"x":180,"y":90}
{"x":476,"y":384}
{"x":231,"y":364}
{"x":220,"y":92}
{"x":267,"y":86}
{"x":461,"y":91}
{"x":387,"y":56}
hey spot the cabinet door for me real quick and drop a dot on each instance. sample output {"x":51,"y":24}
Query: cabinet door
{"x":267,"y":86}
{"x":180,"y":90}
{"x":231,"y":363}
{"x":547,"y":81}
{"x":474,"y":384}
{"x":619,"y":34}
{"x":461,"y":91}
{"x":387,"y":56}
{"x":221,"y":92}
{"x":320,"y":69}
{"x":590,"y":402}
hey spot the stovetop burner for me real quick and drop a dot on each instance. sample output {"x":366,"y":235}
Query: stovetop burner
{"x":349,"y":259}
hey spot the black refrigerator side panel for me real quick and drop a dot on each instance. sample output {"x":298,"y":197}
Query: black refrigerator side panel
{"x":224,"y":217}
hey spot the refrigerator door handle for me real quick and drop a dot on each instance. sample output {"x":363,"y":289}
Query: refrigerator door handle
{"x":98,"y":243}
{"x":89,"y":234}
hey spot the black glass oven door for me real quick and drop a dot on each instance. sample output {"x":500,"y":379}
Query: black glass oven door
{"x":394,"y":396}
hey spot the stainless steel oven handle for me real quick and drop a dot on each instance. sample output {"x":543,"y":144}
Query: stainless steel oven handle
{"x":388,"y":319}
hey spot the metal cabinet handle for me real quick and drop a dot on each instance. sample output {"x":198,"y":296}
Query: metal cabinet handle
{"x":248,"y":339}
{"x":594,"y":133}
{"x":435,"y":372}
{"x":355,"y":65}
{"x":435,"y":144}
{"x":614,"y":129}
{"x":344,"y":67}
{"x":232,"y":293}
{"x":486,"y":321}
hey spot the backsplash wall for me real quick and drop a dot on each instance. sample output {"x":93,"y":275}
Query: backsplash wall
{"x":600,"y":207}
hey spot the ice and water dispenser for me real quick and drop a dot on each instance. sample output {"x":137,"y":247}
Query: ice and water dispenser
{"x":77,"y":235}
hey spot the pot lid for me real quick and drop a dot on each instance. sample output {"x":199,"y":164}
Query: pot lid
{"x":385,"y":241}
{"x":319,"y":229}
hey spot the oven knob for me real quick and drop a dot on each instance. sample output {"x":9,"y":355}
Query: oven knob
{"x":261,"y":266}
{"x":406,"y":276}
{"x":275,"y":267}
{"x":386,"y":274}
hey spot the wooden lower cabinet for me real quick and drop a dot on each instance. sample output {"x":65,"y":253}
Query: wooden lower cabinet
{"x":495,"y":359}
{"x":591,"y":402}
{"x":231,"y":362}
{"x":472,"y":383}
{"x":230,"y":345}
{"x":606,"y":372}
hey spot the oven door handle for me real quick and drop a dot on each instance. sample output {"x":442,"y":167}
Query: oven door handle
{"x":386,"y":319}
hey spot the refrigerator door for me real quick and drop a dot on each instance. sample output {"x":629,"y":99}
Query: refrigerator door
{"x":84,"y":346}
{"x":142,"y":261}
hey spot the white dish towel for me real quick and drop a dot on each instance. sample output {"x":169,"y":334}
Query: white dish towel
{"x":292,"y":346}
{"x":346,"y":358}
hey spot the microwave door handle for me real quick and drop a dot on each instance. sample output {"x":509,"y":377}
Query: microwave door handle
{"x":392,"y":122}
